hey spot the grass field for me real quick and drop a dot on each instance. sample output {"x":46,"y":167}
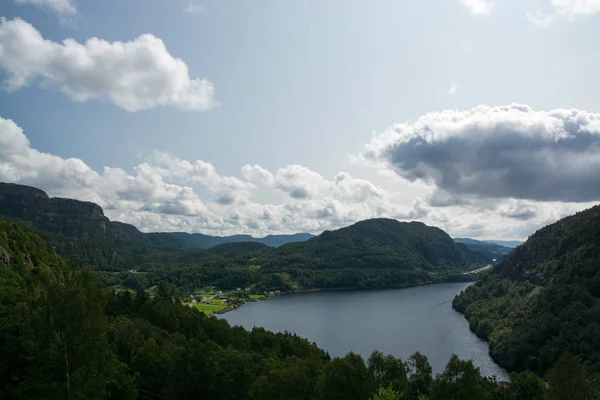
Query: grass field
{"x":257,"y":296}
{"x":214,"y":306}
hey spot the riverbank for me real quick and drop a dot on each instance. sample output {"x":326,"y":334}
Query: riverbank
{"x":232,"y":300}
{"x":417,"y":318}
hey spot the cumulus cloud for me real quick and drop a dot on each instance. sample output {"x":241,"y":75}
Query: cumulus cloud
{"x":568,"y":10}
{"x":134,"y":75}
{"x":299,"y":182}
{"x":166,"y":193}
{"x":498,"y":152}
{"x":227,"y":189}
{"x":478,"y":7}
{"x":256,"y":173}
{"x":61,"y":7}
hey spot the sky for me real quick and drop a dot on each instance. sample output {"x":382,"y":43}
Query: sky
{"x":481,"y":117}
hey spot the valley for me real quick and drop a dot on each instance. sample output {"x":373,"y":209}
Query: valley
{"x":76,"y":290}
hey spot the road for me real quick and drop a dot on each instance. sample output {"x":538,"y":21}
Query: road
{"x":475,"y":271}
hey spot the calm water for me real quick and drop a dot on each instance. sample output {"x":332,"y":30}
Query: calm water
{"x":397,"y":321}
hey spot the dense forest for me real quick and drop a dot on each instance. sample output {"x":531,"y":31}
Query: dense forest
{"x":543,"y":299}
{"x":377,"y":253}
{"x":63,"y":336}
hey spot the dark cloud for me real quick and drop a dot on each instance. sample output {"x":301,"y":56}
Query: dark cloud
{"x":520,"y":213}
{"x":225,"y":199}
{"x":299,"y":193}
{"x":500,"y":152}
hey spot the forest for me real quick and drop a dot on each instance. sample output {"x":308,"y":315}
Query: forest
{"x":64,"y":336}
{"x":543,"y":299}
{"x":377,"y":253}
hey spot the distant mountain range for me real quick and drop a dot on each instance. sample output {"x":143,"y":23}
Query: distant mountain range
{"x":182,"y":240}
{"x":491,"y":250}
{"x":506,"y":243}
{"x":373,"y":253}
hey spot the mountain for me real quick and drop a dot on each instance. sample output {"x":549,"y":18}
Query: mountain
{"x":375,"y":253}
{"x":70,"y":227}
{"x":65,"y":337}
{"x":201,"y":241}
{"x":543,"y":298}
{"x":379,"y":243}
{"x":489,"y":250}
{"x":506,"y":243}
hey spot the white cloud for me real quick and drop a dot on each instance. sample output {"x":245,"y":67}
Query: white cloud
{"x":61,"y":7}
{"x":453,"y":88}
{"x":568,"y":10}
{"x":256,"y":173}
{"x":165,"y":193}
{"x":192,"y":8}
{"x":135,"y":75}
{"x":478,"y":7}
{"x":497,"y":152}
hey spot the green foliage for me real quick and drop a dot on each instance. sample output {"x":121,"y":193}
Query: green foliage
{"x":386,"y":394}
{"x":63,"y":336}
{"x":542,"y":300}
{"x":379,"y":253}
{"x":459,"y":381}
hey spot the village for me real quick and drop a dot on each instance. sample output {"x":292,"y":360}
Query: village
{"x":212,"y":301}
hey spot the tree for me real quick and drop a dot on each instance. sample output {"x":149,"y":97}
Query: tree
{"x":386,"y":394}
{"x":386,"y":371}
{"x":460,"y":380}
{"x":344,"y":379}
{"x":566,"y":379}
{"x":420,"y":374}
{"x":526,"y":386}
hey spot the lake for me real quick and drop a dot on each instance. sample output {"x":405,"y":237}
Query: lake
{"x":395,"y":321}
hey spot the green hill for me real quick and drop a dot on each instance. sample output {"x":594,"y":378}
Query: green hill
{"x":377,"y":244}
{"x":376,"y":253}
{"x":62,"y":336}
{"x":543,"y":298}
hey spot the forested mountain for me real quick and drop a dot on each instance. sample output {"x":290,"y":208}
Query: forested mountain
{"x":491,"y":251}
{"x":198,"y":240}
{"x":370,"y":254}
{"x":183,"y":240}
{"x":506,"y":243}
{"x":543,"y":298}
{"x":73,"y":218}
{"x":378,"y":244}
{"x":64,"y":337}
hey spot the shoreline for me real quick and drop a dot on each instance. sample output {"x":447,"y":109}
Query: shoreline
{"x":487,"y":342}
{"x":341,"y":289}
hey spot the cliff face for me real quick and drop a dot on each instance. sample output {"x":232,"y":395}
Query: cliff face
{"x":65,"y":216}
{"x":71,"y":227}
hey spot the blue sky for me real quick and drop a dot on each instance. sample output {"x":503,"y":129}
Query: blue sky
{"x":300,"y":88}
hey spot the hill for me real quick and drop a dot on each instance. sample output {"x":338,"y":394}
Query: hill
{"x":506,"y":243}
{"x":489,"y":250}
{"x":64,"y":337}
{"x":375,"y":253}
{"x":183,"y":240}
{"x":543,"y":298}
{"x":71,"y":227}
{"x":377,"y":244}
{"x":201,"y":241}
